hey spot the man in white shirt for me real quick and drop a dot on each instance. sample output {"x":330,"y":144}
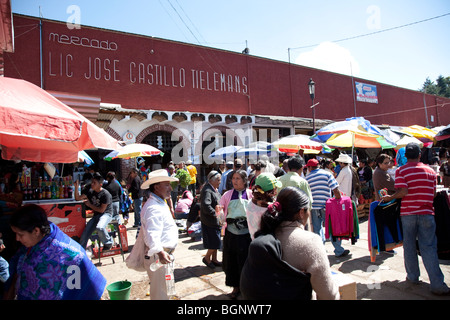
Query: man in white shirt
{"x":160,"y":230}
{"x":345,"y":177}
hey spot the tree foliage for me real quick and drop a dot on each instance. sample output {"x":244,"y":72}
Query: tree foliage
{"x":440,"y":88}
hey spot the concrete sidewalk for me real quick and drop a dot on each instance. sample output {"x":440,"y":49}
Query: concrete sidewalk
{"x":383,"y":279}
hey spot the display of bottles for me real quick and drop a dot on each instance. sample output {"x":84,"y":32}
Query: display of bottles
{"x":44,"y":189}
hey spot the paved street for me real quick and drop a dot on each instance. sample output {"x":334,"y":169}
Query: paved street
{"x":382,"y":280}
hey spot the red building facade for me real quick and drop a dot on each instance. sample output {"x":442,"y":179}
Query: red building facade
{"x":147,"y":73}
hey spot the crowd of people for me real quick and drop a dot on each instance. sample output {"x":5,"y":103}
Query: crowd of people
{"x":244,"y":211}
{"x":234,"y":204}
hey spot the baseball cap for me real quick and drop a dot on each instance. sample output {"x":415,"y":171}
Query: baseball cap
{"x":412,"y":150}
{"x":267,"y":181}
{"x":312,"y":163}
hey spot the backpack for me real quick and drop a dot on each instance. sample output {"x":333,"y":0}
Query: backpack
{"x":265,"y":276}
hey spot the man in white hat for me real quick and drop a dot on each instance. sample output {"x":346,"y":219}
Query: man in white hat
{"x":160,"y":230}
{"x":345,"y":177}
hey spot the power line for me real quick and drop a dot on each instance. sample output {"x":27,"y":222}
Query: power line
{"x":191,"y":22}
{"x":401,"y":111}
{"x":182,"y":20}
{"x":375,"y":32}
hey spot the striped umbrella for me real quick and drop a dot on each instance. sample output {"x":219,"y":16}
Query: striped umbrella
{"x":133,"y":150}
{"x":296,"y":142}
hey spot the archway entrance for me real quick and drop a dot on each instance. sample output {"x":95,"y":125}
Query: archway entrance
{"x":163,"y":141}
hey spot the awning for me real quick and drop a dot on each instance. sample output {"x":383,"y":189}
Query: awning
{"x":35,"y":126}
{"x":88,"y":106}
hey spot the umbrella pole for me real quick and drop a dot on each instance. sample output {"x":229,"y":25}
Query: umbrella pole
{"x":353,"y":144}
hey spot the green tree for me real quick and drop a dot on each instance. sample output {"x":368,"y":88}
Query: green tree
{"x":440,"y":88}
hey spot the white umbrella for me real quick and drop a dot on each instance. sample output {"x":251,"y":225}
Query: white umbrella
{"x":403,"y":141}
{"x":224,"y":152}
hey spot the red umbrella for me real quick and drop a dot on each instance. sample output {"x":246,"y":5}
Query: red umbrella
{"x":35,"y":126}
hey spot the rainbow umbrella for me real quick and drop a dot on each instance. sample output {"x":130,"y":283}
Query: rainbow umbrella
{"x":421,"y":133}
{"x":353,"y":132}
{"x":133,"y":150}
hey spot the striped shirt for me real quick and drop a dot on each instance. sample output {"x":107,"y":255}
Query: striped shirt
{"x":322,"y":183}
{"x":420,"y":180}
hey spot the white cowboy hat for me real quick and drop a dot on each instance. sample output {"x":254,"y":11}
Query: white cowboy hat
{"x":157,"y":176}
{"x":345,"y":158}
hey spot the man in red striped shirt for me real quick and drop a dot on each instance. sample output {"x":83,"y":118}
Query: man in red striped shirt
{"x":416,"y":186}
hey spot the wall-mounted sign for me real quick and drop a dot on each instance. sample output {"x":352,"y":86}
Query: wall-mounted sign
{"x":129,"y":137}
{"x":366,"y":92}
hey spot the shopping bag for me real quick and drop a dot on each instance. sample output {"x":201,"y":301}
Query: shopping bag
{"x":136,"y":258}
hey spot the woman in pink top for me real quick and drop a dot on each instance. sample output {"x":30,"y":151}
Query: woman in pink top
{"x":184,"y":205}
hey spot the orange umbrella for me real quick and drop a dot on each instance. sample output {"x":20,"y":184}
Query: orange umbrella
{"x":35,"y":126}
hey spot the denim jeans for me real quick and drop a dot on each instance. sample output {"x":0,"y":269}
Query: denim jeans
{"x":137,"y":204}
{"x":98,"y":223}
{"x":422,"y":228}
{"x":116,"y":212}
{"x":318,"y":220}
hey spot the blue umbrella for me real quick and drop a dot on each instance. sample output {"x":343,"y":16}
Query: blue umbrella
{"x":83,"y":156}
{"x":224,"y":152}
{"x":256,"y":152}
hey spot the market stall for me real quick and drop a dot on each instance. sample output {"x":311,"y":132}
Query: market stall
{"x":38,"y":128}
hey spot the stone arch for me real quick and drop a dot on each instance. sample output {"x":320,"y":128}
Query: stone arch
{"x":224,"y":130}
{"x":176,"y":132}
{"x":113,"y":133}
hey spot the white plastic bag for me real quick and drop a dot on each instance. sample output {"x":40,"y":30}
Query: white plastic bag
{"x":136,"y":258}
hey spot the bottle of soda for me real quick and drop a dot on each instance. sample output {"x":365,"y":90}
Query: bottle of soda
{"x":40,"y":191}
{"x":48,"y":191}
{"x":170,"y":280}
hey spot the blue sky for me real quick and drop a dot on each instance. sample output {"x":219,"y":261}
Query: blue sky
{"x":403,"y":57}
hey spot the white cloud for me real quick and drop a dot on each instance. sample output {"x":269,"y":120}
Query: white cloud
{"x":331,"y":57}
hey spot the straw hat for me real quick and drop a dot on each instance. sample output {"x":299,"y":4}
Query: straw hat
{"x":344,"y":158}
{"x":157,"y":176}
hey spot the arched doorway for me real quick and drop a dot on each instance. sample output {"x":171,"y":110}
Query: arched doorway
{"x":212,"y":139}
{"x":163,"y":141}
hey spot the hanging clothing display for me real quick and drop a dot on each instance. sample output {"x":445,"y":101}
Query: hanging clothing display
{"x":341,"y":219}
{"x":441,"y":206}
{"x":387,"y":215}
{"x":385,"y":228}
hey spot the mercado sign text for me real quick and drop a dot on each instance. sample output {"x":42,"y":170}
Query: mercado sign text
{"x":146,"y":73}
